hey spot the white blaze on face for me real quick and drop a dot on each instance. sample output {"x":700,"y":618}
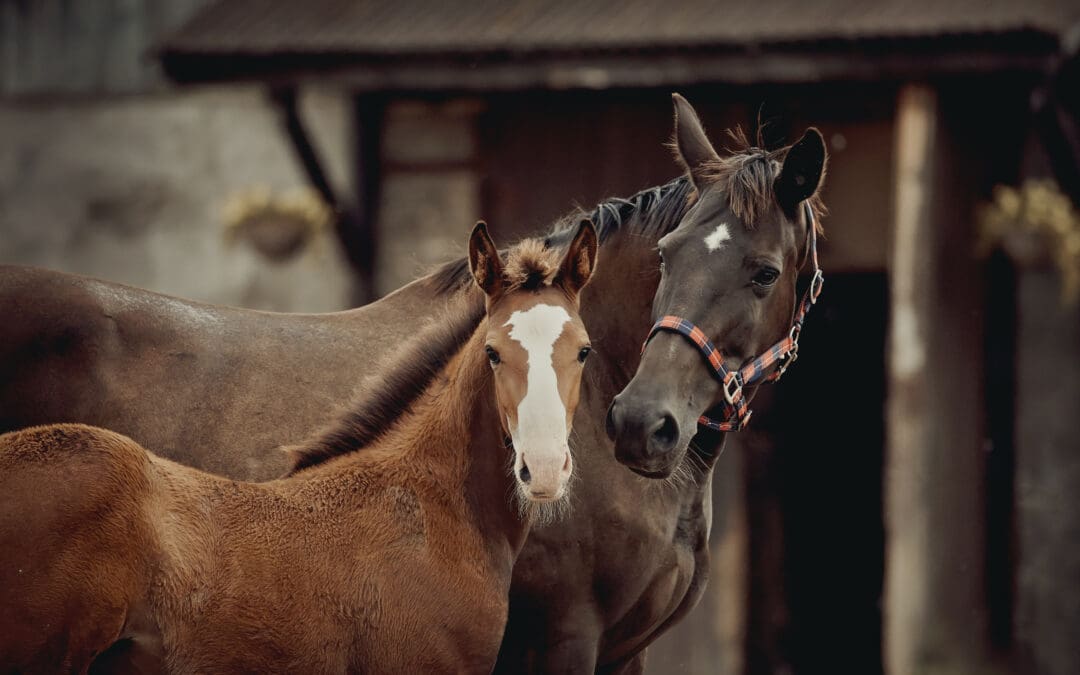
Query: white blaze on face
{"x":541,"y":415}
{"x":717,"y":238}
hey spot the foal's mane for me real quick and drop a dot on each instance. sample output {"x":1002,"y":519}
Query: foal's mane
{"x":529,"y":266}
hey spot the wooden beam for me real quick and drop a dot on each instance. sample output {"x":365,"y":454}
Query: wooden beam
{"x":354,"y":222}
{"x":455,"y":74}
{"x":935,"y":607}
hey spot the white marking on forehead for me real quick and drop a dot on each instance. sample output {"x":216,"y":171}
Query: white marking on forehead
{"x":717,"y":238}
{"x":541,"y":414}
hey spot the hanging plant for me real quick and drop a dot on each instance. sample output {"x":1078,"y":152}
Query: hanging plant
{"x":278,"y":227}
{"x":1035,"y":224}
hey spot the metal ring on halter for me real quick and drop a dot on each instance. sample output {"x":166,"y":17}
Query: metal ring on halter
{"x":815,"y":285}
{"x":785,"y":363}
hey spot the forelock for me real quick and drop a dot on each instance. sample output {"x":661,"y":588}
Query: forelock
{"x":530,"y":266}
{"x":747,"y":176}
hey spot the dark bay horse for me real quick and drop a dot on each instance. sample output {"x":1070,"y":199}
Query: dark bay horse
{"x":397,"y":559}
{"x":726,"y":292}
{"x":592,"y":593}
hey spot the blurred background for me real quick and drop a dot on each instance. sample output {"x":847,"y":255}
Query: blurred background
{"x":906,"y":501}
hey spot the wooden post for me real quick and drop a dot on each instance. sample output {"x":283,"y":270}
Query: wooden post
{"x":934,"y":612}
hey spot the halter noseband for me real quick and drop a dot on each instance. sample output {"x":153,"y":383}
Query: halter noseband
{"x":782,"y":354}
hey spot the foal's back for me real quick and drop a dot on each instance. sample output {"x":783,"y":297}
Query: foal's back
{"x":111,"y":549}
{"x":76,"y":543}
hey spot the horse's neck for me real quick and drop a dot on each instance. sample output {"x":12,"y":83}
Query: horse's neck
{"x":617,"y":309}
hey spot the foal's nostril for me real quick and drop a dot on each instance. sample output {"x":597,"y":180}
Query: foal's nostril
{"x":524,"y":474}
{"x":566,"y":463}
{"x":665,"y":435}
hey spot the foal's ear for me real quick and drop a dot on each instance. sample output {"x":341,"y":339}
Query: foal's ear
{"x":804,"y":167}
{"x":580,"y":261}
{"x":691,"y":145}
{"x":484,"y":261}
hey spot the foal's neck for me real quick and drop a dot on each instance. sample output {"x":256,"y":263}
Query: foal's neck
{"x":450,"y":447}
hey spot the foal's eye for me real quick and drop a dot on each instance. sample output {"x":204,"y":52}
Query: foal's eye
{"x":584,"y":354}
{"x":493,"y":356}
{"x":766,"y":277}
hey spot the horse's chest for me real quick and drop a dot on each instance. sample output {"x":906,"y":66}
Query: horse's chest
{"x":657,"y":575}
{"x":647,"y":585}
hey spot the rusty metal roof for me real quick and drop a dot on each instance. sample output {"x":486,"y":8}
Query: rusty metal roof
{"x":359,"y":30}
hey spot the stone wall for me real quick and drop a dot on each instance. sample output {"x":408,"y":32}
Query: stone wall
{"x":430,"y":190}
{"x":132,"y":188}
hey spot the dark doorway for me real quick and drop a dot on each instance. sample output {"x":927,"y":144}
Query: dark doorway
{"x":823,"y":476}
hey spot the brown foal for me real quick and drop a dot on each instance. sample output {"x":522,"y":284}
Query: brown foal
{"x":395,"y":559}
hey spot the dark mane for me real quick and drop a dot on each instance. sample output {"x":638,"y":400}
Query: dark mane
{"x":398,"y":386}
{"x":747,"y":174}
{"x":655,"y":211}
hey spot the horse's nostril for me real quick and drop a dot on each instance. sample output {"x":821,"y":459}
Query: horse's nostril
{"x":524,"y":474}
{"x":666,"y":434}
{"x":610,"y":422}
{"x":566,"y":463}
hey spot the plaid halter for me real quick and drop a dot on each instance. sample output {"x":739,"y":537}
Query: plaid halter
{"x":782,"y":354}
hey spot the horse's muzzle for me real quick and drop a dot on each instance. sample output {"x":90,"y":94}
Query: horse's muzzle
{"x":646,"y":435}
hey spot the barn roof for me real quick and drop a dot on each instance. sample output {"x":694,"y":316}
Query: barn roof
{"x":400,"y":43}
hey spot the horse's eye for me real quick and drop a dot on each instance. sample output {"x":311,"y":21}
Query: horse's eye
{"x":493,"y":356}
{"x":766,"y":277}
{"x":584,"y":354}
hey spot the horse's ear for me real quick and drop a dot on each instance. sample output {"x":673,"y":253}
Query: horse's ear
{"x":580,"y":261}
{"x":484,"y":261}
{"x":804,"y":167}
{"x":691,"y":145}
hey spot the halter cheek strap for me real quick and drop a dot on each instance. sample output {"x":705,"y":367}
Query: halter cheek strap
{"x":782,"y":354}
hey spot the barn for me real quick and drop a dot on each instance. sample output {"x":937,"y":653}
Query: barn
{"x":904,"y":500}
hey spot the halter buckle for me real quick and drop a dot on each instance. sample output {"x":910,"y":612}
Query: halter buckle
{"x":815,"y":285}
{"x":732,"y":388}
